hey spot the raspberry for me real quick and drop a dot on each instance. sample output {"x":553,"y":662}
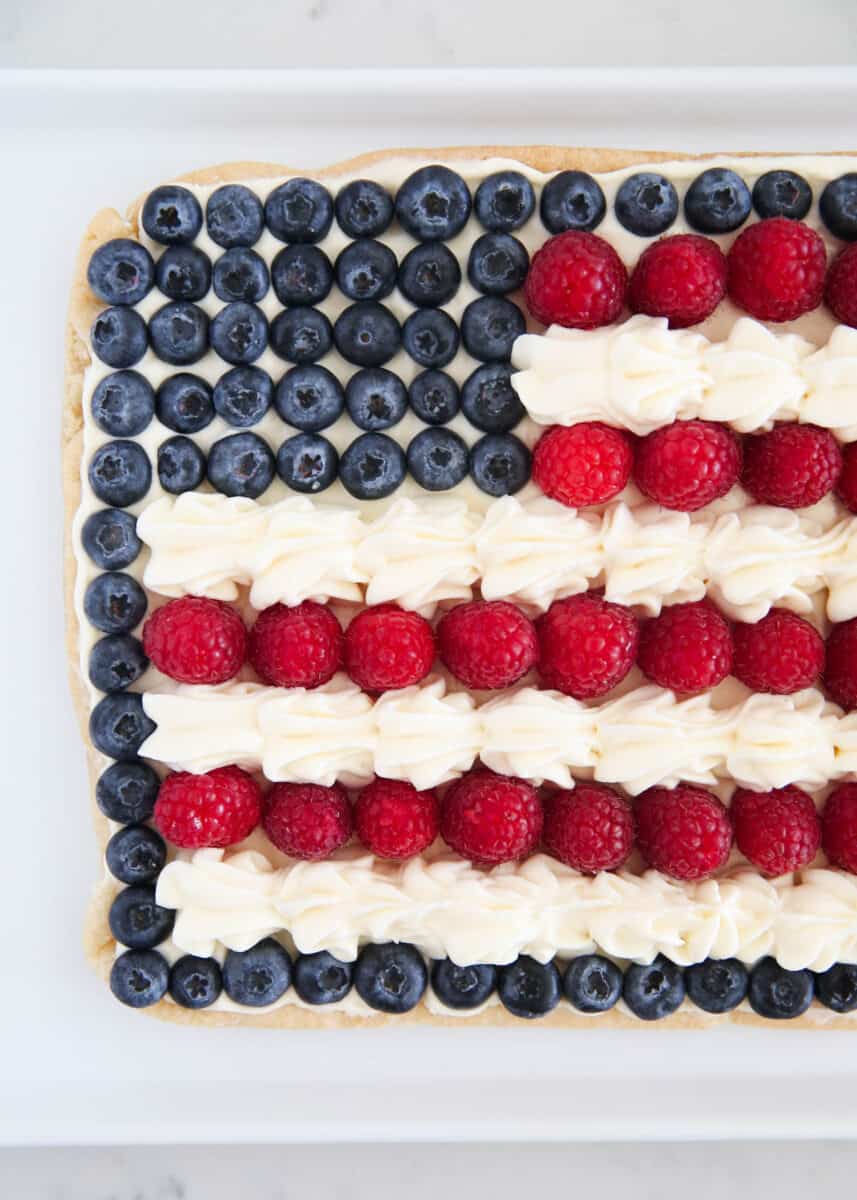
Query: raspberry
{"x":682,"y":278}
{"x":840,"y":669}
{"x":687,"y":464}
{"x":394,"y":820}
{"x":590,"y":828}
{"x":846,"y":485}
{"x":219,"y":808}
{"x":195,"y":640}
{"x":583,"y":464}
{"x":487,"y":643}
{"x":687,"y":648}
{"x":776,"y":269}
{"x":839,"y":827}
{"x":491,"y":818}
{"x":792,"y":466}
{"x":296,"y":647}
{"x":782,"y":653}
{"x":387,"y":648}
{"x":306,"y":820}
{"x":683,"y":831}
{"x":586,"y":645}
{"x":577,"y":280}
{"x":778,"y":831}
{"x":840,"y":290}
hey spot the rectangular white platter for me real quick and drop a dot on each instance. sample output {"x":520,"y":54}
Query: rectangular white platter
{"x":78,"y":1068}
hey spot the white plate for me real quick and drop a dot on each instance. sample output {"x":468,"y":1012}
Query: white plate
{"x":77,"y":1067}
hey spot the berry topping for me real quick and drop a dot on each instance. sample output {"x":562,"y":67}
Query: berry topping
{"x":120,"y":473}
{"x":430,"y":337}
{"x":115,"y":662}
{"x":653,"y":991}
{"x":135,"y":919}
{"x":171,"y":215}
{"x":109,"y":537}
{"x":119,"y":337}
{"x":195,"y":982}
{"x":586,"y":645}
{"x":528,"y":988}
{"x":126,"y":792}
{"x":683,"y":831}
{"x":243,"y":395}
{"x":183,"y":273}
{"x":372,"y":467}
{"x":363,"y":209}
{"x":487,"y":643}
{"x":590,"y":828}
{"x":123,"y":404}
{"x":840,"y":670}
{"x":500,"y":464}
{"x":234,"y":216}
{"x":838,"y":206}
{"x":777,"y":993}
{"x":688,"y":464}
{"x":717,"y":201}
{"x":836,"y":988}
{"x":782,"y":653}
{"x":139,"y":978}
{"x":582,"y":464}
{"x":257,"y":976}
{"x":322,"y":979}
{"x":489,"y":401}
{"x":366,"y":270}
{"x":577,"y":280}
{"x":688,"y":648}
{"x":121,"y":272}
{"x":387,"y":648}
{"x":490,"y":326}
{"x":301,"y":335}
{"x":310,"y":398}
{"x":491,"y":818}
{"x":840,"y":290}
{"x":791,"y":466}
{"x":462,"y":987}
{"x":135,"y":854}
{"x":682,"y":278}
{"x":118,"y":726}
{"x":181,"y":465}
{"x":504,"y":201}
{"x":782,"y":194}
{"x":376,"y":399}
{"x":114,"y":603}
{"x":433,"y":204}
{"x":296,"y":647}
{"x":241,"y":465}
{"x":434,"y":397}
{"x":184,"y":403}
{"x":219,"y":808}
{"x":646,"y":204}
{"x":239,"y":333}
{"x":497,"y":264}
{"x":307,"y":463}
{"x":367,"y":334}
{"x":390,"y":977}
{"x":717,"y":985}
{"x":839,"y":827}
{"x":306,"y":820}
{"x":438,"y":459}
{"x":592,"y":984}
{"x":776,"y":269}
{"x":572,"y":200}
{"x":301,"y":275}
{"x":429,"y":275}
{"x":179,"y":333}
{"x":240,"y":274}
{"x":394,"y":820}
{"x":196,"y":640}
{"x":299,"y":210}
{"x":778,"y":831}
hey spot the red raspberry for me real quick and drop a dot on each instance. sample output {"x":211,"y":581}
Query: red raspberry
{"x":306,"y":820}
{"x":782,"y":653}
{"x":491,"y":818}
{"x":296,"y":647}
{"x":778,"y":831}
{"x":839,"y":827}
{"x":195,"y":640}
{"x":840,"y":669}
{"x":586,"y":645}
{"x":387,"y":648}
{"x":394,"y":820}
{"x":682,"y":278}
{"x":792,"y":466}
{"x":577,"y":280}
{"x":219,"y":808}
{"x":840,"y":291}
{"x":687,"y":464}
{"x":846,"y":485}
{"x":776,"y":269}
{"x":582,"y":464}
{"x":590,"y":828}
{"x":487,"y":643}
{"x":687,"y":648}
{"x":683,"y":831}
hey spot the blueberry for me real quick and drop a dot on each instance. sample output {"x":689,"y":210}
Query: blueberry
{"x":462,"y":987}
{"x":838,"y":206}
{"x":528,"y":988}
{"x":307,"y":463}
{"x":195,"y":982}
{"x":301,"y":275}
{"x":299,"y":210}
{"x":239,"y":333}
{"x":115,"y":662}
{"x":504,"y":201}
{"x":118,"y":726}
{"x":137,"y":921}
{"x":572,"y":200}
{"x":433,"y":204}
{"x":240,"y":274}
{"x":120,"y":473}
{"x":391,"y":976}
{"x":376,"y":399}
{"x":322,"y":979}
{"x":655,"y":990}
{"x":127,"y":791}
{"x":490,"y":326}
{"x":234,"y":216}
{"x":119,"y":337}
{"x":372,"y":467}
{"x":109,"y":537}
{"x":438,"y":459}
{"x":366,"y":270}
{"x":183,"y":273}
{"x":592,"y":983}
{"x":114,"y":603}
{"x":836,"y":987}
{"x":310,"y":398}
{"x":136,"y":854}
{"x":184,"y":403}
{"x":181,"y":465}
{"x":301,"y":335}
{"x":777,"y":993}
{"x":139,"y":978}
{"x":123,"y":404}
{"x":367,"y":334}
{"x":429,"y":275}
{"x":257,"y":976}
{"x":241,"y":465}
{"x":717,"y":985}
{"x":179,"y":333}
{"x":497,"y":264}
{"x":717,"y":201}
{"x":121,"y":272}
{"x":489,"y":401}
{"x":171,"y":215}
{"x":434,"y":397}
{"x":243,"y":395}
{"x":500,"y":464}
{"x":782,"y":194}
{"x":363,"y":209}
{"x":430,"y":337}
{"x":646,"y":204}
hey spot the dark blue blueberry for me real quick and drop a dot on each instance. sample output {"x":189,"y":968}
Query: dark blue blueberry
{"x":438,"y":459}
{"x":433,"y":204}
{"x":109,"y":537}
{"x":363,"y":209}
{"x":490,"y":326}
{"x":498,"y":264}
{"x":430,"y":337}
{"x":181,"y":465}
{"x":462,"y":987}
{"x":366,"y":270}
{"x":504,"y":201}
{"x":429,"y":275}
{"x":183,"y":273}
{"x":653,"y":991}
{"x":836,"y":987}
{"x":782,"y":194}
{"x":139,"y":978}
{"x":118,"y":726}
{"x":119,"y":337}
{"x":572,"y":200}
{"x":500,"y":464}
{"x":243,"y":395}
{"x":310,"y":398}
{"x":592,"y":983}
{"x":127,"y":791}
{"x":120,"y":473}
{"x":838,"y":206}
{"x":322,"y":979}
{"x":121,"y":272}
{"x":646,"y":204}
{"x":195,"y":982}
{"x":778,"y":994}
{"x":184,"y":403}
{"x":717,"y":201}
{"x":372,"y":467}
{"x":301,"y":335}
{"x":136,"y":921}
{"x":241,"y":465}
{"x":717,"y":985}
{"x":434,"y":397}
{"x":171,"y":215}
{"x":123,"y":404}
{"x":301,"y":275}
{"x":257,"y":976}
{"x":299,"y":210}
{"x":239,"y":333}
{"x":136,"y":854}
{"x":114,"y":603}
{"x":489,"y":401}
{"x":307,"y":463}
{"x":528,"y":988}
{"x":240,"y":274}
{"x":115,"y":662}
{"x":234,"y":216}
{"x":367,"y":334}
{"x":391,"y":976}
{"x":179,"y":333}
{"x":376,"y":399}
